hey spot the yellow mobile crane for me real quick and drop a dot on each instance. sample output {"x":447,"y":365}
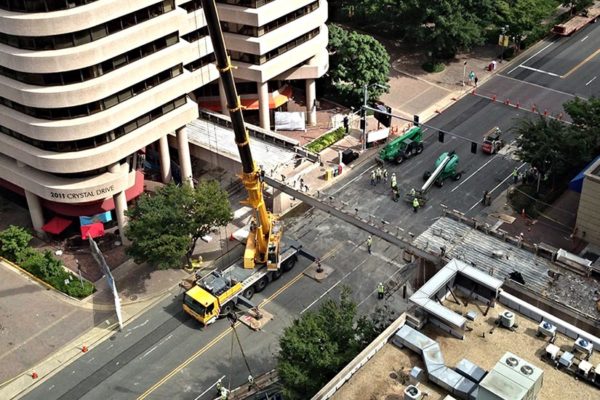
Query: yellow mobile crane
{"x":220,"y":291}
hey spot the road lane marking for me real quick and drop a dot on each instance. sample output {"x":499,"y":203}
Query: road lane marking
{"x":474,"y":173}
{"x":496,"y":187}
{"x":541,"y":71}
{"x":355,"y":178}
{"x":536,"y":85}
{"x":591,"y":80}
{"x":210,"y":387}
{"x":332,"y":287}
{"x":535,"y":54}
{"x":584,"y":38}
{"x":575,"y":68}
{"x":157,"y":346}
{"x":219,"y":337}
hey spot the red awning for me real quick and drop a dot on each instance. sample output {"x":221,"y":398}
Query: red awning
{"x":93,"y":230}
{"x":56,"y":225}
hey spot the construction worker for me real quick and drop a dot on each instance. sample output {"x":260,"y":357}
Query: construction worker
{"x":413,"y":192}
{"x":373,"y":178}
{"x":395,"y":194}
{"x":393,"y":181}
{"x":369,"y":243}
{"x":415,"y":204}
{"x":378,"y":174}
{"x":385,"y":175}
{"x":219,"y":386}
{"x":515,"y":175}
{"x":380,"y":291}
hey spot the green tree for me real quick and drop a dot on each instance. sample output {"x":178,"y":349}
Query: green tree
{"x":356,"y":60}
{"x":13,"y":240}
{"x":165,"y":227}
{"x":319,"y":344}
{"x":585,"y":115}
{"x":444,"y":27}
{"x":523,"y":17}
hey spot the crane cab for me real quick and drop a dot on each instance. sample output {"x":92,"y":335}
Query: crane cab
{"x":201,"y":305}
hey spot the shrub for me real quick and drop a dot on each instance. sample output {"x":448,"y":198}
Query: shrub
{"x":431,"y":66}
{"x":326,"y":140}
{"x":13,"y":246}
{"x":13,"y":240}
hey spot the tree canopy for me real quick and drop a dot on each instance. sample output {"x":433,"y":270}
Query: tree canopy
{"x":165,"y":227}
{"x":555,"y":148}
{"x":319,"y":344}
{"x":356,"y":60}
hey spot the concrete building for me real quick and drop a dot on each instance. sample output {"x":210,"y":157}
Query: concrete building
{"x":86,"y":86}
{"x":588,"y":214}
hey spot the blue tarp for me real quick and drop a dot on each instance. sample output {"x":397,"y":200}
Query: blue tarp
{"x":102,"y":217}
{"x":576,"y":183}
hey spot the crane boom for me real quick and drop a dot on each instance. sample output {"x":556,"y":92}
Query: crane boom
{"x":262,"y":246}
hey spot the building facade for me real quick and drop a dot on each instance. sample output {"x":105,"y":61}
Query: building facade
{"x":87,"y":85}
{"x":587,"y":226}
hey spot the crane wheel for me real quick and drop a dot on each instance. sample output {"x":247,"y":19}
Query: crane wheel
{"x":426,"y":175}
{"x":289,"y":264}
{"x":400,"y":159}
{"x":226,"y":309}
{"x":439,"y":183}
{"x":276,"y":275}
{"x":248,"y":293}
{"x":457,"y":176}
{"x":261,"y":284}
{"x":420,"y":148}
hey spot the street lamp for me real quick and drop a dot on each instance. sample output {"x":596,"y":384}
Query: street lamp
{"x":366,"y":87}
{"x":464,"y":72}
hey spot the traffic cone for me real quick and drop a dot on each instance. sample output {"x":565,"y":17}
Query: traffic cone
{"x":523,"y":212}
{"x":34,"y":375}
{"x":518,"y":105}
{"x":494,"y":98}
{"x":231,"y":238}
{"x":84,"y":348}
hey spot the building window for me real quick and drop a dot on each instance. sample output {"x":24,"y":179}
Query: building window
{"x":201,"y":62}
{"x":32,"y":6}
{"x":78,"y":38}
{"x":88,"y":143}
{"x":95,"y":106}
{"x":248,"y":30}
{"x":94,"y":71}
{"x":246,"y":3}
{"x":261,"y":59}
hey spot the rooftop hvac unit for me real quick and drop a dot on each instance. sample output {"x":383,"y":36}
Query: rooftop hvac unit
{"x":507,"y":319}
{"x":552,"y":351}
{"x":545,"y":328}
{"x":584,"y":367}
{"x":412,"y":393}
{"x":566,"y":359}
{"x":584,"y":346}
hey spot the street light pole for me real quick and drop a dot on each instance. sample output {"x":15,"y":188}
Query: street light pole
{"x":464,"y":72}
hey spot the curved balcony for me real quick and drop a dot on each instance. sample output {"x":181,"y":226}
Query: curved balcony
{"x":92,"y":53}
{"x":90,"y":159}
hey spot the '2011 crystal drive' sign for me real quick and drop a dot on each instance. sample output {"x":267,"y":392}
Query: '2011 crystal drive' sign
{"x":84,"y":194}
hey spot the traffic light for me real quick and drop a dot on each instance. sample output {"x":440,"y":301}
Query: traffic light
{"x":441,"y":136}
{"x":473,"y":147}
{"x":416,"y":120}
{"x":386,"y":120}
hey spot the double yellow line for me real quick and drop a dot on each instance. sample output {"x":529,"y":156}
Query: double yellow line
{"x":215,"y":340}
{"x":575,"y":68}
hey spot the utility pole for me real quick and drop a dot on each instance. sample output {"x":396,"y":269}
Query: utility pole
{"x":364,"y":117}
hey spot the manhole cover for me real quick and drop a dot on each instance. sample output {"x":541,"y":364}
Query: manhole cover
{"x":133,"y":297}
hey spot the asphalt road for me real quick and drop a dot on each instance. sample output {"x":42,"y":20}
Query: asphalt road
{"x":165,"y":354}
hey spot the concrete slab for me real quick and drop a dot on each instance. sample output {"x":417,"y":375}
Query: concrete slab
{"x":318,"y":276}
{"x":254,"y":321}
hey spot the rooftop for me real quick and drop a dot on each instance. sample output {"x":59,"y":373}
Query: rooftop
{"x":385,"y":376}
{"x":478,"y":248}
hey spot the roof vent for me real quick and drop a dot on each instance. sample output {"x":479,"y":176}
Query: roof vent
{"x":527,"y":370}
{"x":513,"y":362}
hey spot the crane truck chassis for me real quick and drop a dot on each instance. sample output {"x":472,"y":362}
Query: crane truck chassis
{"x":219,"y":293}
